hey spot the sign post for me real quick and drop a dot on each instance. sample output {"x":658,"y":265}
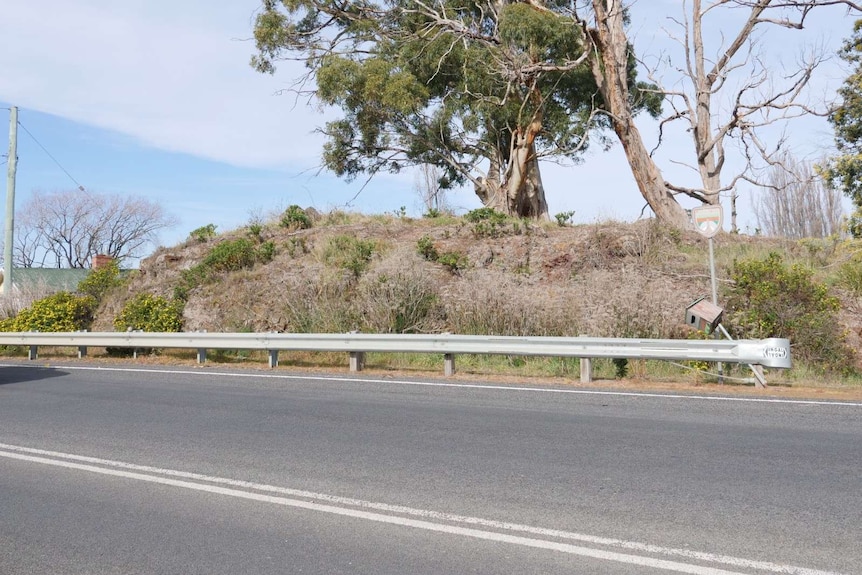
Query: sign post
{"x":708,"y":220}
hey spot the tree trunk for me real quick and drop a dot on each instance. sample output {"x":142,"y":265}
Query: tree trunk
{"x":490,"y":191}
{"x":522,"y":194}
{"x":610,"y":71}
{"x":531,"y":203}
{"x":519,"y":191}
{"x":707,"y":165}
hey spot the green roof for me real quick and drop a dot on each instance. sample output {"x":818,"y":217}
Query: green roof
{"x":50,"y":279}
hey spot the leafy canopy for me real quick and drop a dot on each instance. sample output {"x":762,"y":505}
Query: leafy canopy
{"x":845,"y":170}
{"x":442,"y":83}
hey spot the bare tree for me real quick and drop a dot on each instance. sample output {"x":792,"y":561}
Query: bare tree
{"x":66,"y":229}
{"x":428,"y":187}
{"x":798,"y":203}
{"x":723,"y":95}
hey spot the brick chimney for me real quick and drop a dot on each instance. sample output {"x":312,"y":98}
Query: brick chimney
{"x":101,"y":260}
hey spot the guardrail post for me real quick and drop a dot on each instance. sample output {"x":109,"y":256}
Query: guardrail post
{"x":357,"y":360}
{"x":33,"y":353}
{"x":273,"y":358}
{"x":586,"y":369}
{"x":759,"y":379}
{"x":202,"y":355}
{"x":82,"y":349}
{"x":449,"y":364}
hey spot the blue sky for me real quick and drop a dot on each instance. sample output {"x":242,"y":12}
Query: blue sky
{"x":155,"y":98}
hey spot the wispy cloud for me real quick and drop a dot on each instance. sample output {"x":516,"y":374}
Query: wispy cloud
{"x":181,"y":83}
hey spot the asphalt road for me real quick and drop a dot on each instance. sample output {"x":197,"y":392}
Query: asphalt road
{"x":112,"y":470}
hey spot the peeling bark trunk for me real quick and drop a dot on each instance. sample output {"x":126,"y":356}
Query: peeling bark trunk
{"x":609,"y":66}
{"x":522,"y":194}
{"x":532,"y":202}
{"x":489,"y":189}
{"x":519,"y":191}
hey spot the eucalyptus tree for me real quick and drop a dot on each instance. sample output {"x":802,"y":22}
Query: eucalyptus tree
{"x":844,"y":171}
{"x":480,"y":90}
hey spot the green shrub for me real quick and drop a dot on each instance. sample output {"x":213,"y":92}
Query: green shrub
{"x":100,"y":280}
{"x":227,"y":256}
{"x":487,"y":222}
{"x":295,"y":218}
{"x":455,"y":261}
{"x":61,"y":311}
{"x":203,"y":233}
{"x":189,"y":280}
{"x":296,"y":246}
{"x":770,"y":299}
{"x":564,"y":218}
{"x":265,"y":252}
{"x":485,"y":215}
{"x":425,"y":247}
{"x":231,"y":255}
{"x":149,"y":312}
{"x":621,"y":367}
{"x":849,"y":276}
{"x":349,"y":253}
{"x":255,"y":230}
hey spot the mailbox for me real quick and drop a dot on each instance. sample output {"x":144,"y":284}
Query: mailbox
{"x":703,"y":315}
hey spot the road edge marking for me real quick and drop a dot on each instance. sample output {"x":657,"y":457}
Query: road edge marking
{"x":149,"y":473}
{"x":512,"y":388}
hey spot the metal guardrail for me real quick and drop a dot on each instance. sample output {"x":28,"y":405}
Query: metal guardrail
{"x":772,"y":352}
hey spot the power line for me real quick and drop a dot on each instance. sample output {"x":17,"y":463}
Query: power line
{"x":80,"y":187}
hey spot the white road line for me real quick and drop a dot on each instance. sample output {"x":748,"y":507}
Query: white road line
{"x":517,"y":389}
{"x":341,"y":506}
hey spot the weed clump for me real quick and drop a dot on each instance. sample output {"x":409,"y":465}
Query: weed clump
{"x":349,"y":253}
{"x":454,"y":261}
{"x":204,"y":233}
{"x":227,"y":256}
{"x":295,"y":218}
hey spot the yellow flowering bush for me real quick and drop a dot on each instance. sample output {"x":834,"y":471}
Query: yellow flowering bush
{"x":148,"y":312}
{"x":61,"y":311}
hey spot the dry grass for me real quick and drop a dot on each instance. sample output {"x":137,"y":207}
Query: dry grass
{"x":606,"y":279}
{"x":15,"y":300}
